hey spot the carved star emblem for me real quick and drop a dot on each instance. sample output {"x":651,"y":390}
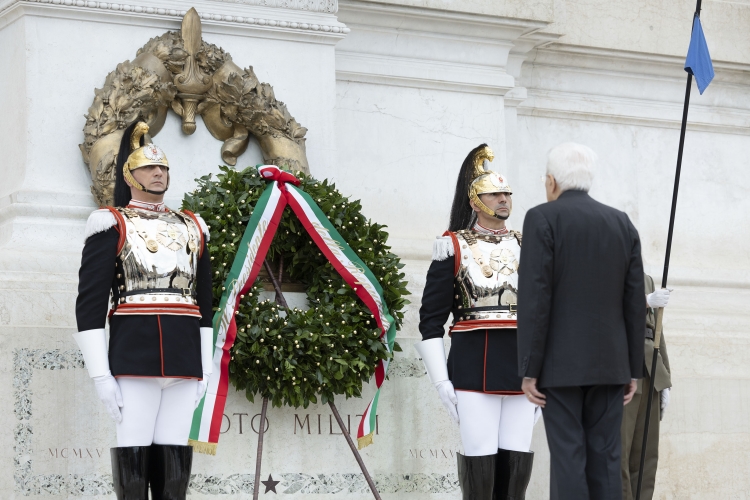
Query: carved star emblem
{"x":270,"y":484}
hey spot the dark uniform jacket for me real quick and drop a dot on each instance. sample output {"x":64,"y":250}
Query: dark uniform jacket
{"x":480,"y":360}
{"x":581,"y":302}
{"x":140,"y":345}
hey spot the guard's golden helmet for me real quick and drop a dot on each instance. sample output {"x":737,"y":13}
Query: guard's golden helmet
{"x":142,"y":156}
{"x":485,"y":180}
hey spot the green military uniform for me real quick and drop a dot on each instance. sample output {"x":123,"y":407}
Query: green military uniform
{"x":634,"y":416}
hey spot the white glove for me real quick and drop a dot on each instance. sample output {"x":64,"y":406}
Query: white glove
{"x":658,"y":298}
{"x":448,"y":397}
{"x":108,"y":391}
{"x":93,"y":345}
{"x":202,"y":386}
{"x":433,"y":355}
{"x":664,"y":397}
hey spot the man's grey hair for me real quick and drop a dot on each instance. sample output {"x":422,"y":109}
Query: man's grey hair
{"x":572,"y":166}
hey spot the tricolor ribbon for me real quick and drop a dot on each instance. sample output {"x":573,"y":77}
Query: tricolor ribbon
{"x":261,"y":228}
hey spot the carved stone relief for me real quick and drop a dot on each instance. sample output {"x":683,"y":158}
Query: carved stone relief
{"x":179,"y":70}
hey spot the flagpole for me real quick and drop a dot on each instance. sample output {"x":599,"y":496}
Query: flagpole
{"x":660,"y":310}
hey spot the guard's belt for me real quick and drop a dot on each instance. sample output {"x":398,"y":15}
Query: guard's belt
{"x":483,"y":318}
{"x":185,"y":292}
{"x":478,"y":312}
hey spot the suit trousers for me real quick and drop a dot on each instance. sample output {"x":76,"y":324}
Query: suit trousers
{"x":583,"y":434}
{"x":633,"y":423}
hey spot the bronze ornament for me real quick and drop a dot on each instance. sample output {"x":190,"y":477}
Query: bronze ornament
{"x":181,"y":71}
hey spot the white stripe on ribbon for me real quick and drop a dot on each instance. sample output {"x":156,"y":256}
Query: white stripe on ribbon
{"x":332,"y":244}
{"x":209,"y":402}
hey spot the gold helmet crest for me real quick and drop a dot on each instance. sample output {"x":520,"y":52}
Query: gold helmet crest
{"x":485,"y":180}
{"x":142,"y":156}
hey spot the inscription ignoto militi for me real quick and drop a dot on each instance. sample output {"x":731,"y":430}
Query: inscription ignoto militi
{"x":27,"y":361}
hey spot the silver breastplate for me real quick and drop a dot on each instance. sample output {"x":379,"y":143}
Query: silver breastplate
{"x":488,"y":273}
{"x":159,"y":258}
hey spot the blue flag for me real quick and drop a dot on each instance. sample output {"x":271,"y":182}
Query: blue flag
{"x":698,"y":61}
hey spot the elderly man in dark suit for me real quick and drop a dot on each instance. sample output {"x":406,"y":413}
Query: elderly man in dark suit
{"x":581,"y":326}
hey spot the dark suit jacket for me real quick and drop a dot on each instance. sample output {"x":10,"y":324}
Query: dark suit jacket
{"x":581,"y":300}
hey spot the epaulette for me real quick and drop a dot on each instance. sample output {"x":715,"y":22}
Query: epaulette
{"x":447,"y":246}
{"x":99,"y":221}
{"x":442,"y":248}
{"x":103,"y":219}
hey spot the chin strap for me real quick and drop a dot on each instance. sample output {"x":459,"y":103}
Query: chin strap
{"x":154,"y":192}
{"x":484,"y":208}
{"x":139,"y":187}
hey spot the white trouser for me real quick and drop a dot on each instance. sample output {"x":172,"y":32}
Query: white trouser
{"x":490,"y":421}
{"x":156,"y":411}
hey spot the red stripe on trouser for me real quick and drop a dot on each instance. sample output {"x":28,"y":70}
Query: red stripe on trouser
{"x":161,"y":345}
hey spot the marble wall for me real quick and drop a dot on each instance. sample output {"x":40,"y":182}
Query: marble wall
{"x":394,"y":94}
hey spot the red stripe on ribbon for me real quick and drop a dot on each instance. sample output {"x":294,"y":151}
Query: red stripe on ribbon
{"x":380,"y":373}
{"x":350,"y":280}
{"x":222,"y":389}
{"x":361,"y":429}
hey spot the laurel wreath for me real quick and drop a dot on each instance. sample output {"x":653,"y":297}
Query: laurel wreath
{"x":296,"y":357}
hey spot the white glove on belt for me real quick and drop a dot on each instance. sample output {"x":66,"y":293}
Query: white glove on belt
{"x":664,"y":401}
{"x":658,"y":298}
{"x":108,"y":391}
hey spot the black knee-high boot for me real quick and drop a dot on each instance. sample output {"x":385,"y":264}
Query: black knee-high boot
{"x":170,"y":471}
{"x":476,"y":475}
{"x":513,"y":474}
{"x":130,"y":468}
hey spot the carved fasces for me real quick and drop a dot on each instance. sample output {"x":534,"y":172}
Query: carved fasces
{"x":179,"y":70}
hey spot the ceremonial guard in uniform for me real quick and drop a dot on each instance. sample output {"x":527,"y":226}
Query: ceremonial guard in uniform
{"x":152,"y":263}
{"x":473,"y":275}
{"x":634,"y":413}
